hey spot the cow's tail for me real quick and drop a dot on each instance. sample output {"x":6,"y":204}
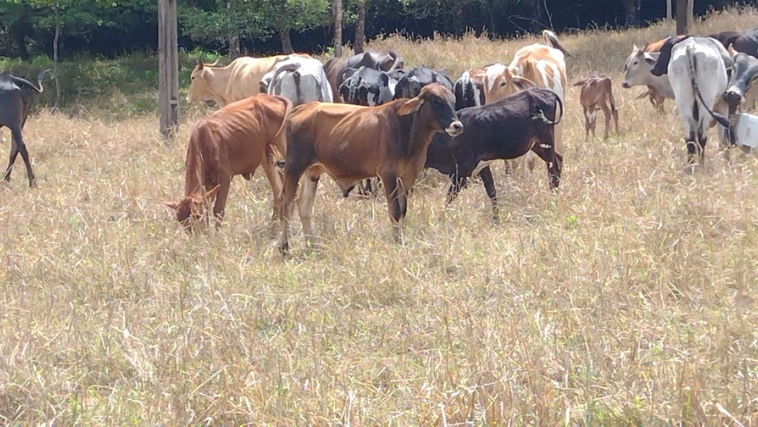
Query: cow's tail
{"x":23,"y":82}
{"x":540,"y":115}
{"x":286,"y":68}
{"x":609,"y":88}
{"x":552,"y":40}
{"x":276,"y":149}
{"x":692,"y":66}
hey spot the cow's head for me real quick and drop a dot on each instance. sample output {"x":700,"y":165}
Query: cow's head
{"x":661,"y":65}
{"x":500,"y":81}
{"x":744,"y":75}
{"x":189,"y":210}
{"x":200,"y":82}
{"x":435,"y":106}
{"x":637,"y":67}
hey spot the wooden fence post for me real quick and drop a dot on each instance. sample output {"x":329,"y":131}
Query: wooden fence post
{"x":168,"y":67}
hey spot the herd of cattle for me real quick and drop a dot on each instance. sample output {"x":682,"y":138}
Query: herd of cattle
{"x":365,"y":116}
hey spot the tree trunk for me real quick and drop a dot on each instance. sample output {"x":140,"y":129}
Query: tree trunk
{"x":669,"y":15}
{"x":681,"y":17}
{"x":690,"y":12}
{"x":631,"y":9}
{"x":55,"y":52}
{"x":284,"y":35}
{"x":20,"y":39}
{"x":337,"y":22}
{"x":234,"y":37}
{"x":360,"y":27}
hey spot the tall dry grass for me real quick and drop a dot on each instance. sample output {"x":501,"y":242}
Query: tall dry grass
{"x":628,"y":298}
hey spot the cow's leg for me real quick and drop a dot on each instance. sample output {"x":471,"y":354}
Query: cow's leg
{"x":692,"y":146}
{"x":20,"y":147}
{"x":489,"y":186}
{"x":292,"y":173}
{"x":275,"y":180}
{"x":457,"y":182}
{"x":224,"y":183}
{"x":308,"y":186}
{"x":12,"y":159}
{"x":586,"y":123}
{"x":390,"y":182}
{"x":545,"y":149}
{"x":607,"y":113}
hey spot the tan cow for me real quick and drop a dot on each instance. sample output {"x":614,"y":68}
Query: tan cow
{"x":597,"y":94}
{"x":537,"y":64}
{"x":234,"y":140}
{"x":235,"y":82}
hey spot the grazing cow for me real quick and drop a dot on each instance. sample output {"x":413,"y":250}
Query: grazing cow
{"x":410,"y":84}
{"x":383,"y":61}
{"x":299,"y":79}
{"x":696,"y":67}
{"x":741,"y":85}
{"x":367,"y":86}
{"x":15,"y":103}
{"x":235,"y":82}
{"x":637,"y":73}
{"x":469,"y":88}
{"x":351,"y":143}
{"x":597,"y":94}
{"x":744,"y":41}
{"x":234,"y":140}
{"x":537,"y":64}
{"x":505,"y":129}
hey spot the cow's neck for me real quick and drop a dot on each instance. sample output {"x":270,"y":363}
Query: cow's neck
{"x":420,"y":135}
{"x":194,"y":172}
{"x":220,"y":85}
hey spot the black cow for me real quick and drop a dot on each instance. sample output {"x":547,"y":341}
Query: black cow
{"x":744,"y":41}
{"x":410,"y":84}
{"x":384,"y":61}
{"x":15,"y":103}
{"x":505,"y":129}
{"x":367,"y":86}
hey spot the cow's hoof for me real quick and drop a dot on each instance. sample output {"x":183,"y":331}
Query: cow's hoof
{"x":284,"y":249}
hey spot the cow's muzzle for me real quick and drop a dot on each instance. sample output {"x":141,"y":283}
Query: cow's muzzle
{"x":733,"y":96}
{"x":625,"y":85}
{"x":455,"y":128}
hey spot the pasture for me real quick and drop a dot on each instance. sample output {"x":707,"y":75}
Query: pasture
{"x":629,"y":297}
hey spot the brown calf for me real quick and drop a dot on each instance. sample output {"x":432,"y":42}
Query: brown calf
{"x":234,"y":140}
{"x":597,"y":94}
{"x":351,"y":142}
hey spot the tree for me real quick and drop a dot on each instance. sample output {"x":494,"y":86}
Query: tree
{"x":631,"y":10}
{"x":681,"y":16}
{"x":337,"y":24}
{"x":360,"y":26}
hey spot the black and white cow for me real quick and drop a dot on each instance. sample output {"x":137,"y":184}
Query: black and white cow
{"x":384,"y":61}
{"x":410,"y":84}
{"x":367,"y":86}
{"x":741,"y":89}
{"x":298,"y":78}
{"x":744,"y":41}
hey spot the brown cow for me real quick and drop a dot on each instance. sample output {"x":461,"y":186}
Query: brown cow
{"x":597,"y":94}
{"x":234,"y":140}
{"x":351,"y":142}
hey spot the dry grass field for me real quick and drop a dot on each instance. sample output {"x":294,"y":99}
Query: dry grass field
{"x":629,"y":297}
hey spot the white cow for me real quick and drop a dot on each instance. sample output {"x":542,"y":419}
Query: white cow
{"x":696,"y":68}
{"x":637,"y":73}
{"x":300,"y":79}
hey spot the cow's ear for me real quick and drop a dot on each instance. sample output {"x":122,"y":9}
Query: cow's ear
{"x":649,"y":58}
{"x":200,"y":63}
{"x":522,"y":82}
{"x":410,"y":106}
{"x":172,"y":205}
{"x":212,"y":193}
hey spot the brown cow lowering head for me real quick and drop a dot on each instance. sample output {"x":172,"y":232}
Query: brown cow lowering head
{"x":189,"y":210}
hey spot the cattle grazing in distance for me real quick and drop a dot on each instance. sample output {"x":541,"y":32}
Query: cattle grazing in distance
{"x":298,"y":78}
{"x":543,"y":65}
{"x":696,"y":67}
{"x":16,"y":96}
{"x":383,"y":61}
{"x":505,"y":129}
{"x":744,"y":41}
{"x":637,"y":73}
{"x":741,"y":89}
{"x":224,"y":85}
{"x":411,"y":82}
{"x":234,"y":140}
{"x":367,"y":86}
{"x":350,"y":143}
{"x":597,"y":95}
